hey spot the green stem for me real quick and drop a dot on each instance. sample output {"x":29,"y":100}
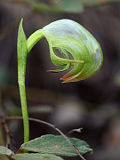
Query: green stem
{"x":23,"y":47}
{"x":33,"y":39}
{"x":24,"y":111}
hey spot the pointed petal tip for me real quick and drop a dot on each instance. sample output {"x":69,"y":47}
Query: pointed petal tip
{"x":65,"y":78}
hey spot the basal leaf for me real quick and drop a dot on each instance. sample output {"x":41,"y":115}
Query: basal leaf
{"x":36,"y":156}
{"x":56,"y":145}
{"x":5,"y":151}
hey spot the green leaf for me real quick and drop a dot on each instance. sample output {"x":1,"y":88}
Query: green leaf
{"x":56,"y":145}
{"x":5,"y":151}
{"x":22,"y":53}
{"x":36,"y":156}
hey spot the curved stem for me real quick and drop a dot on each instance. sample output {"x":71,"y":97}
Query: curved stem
{"x":33,"y":39}
{"x":23,"y":48}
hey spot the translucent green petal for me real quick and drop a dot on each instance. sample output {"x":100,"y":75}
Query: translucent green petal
{"x":69,"y":36}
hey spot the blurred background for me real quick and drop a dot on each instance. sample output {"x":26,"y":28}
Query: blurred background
{"x":92,"y":104}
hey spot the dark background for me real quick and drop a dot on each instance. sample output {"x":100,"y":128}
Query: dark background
{"x":92,"y":104}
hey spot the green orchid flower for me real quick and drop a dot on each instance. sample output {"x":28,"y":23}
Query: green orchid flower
{"x":80,"y":50}
{"x":71,"y":46}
